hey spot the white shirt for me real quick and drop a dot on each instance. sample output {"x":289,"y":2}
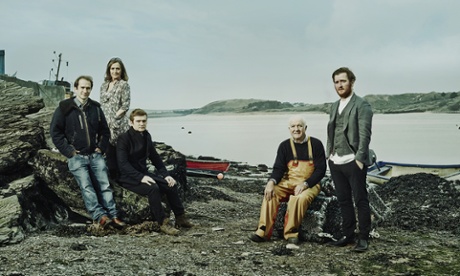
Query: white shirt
{"x":335,"y":158}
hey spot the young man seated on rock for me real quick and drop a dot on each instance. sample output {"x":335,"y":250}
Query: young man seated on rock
{"x":134,"y":147}
{"x":300,"y":165}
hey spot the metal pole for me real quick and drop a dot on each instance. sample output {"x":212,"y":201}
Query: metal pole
{"x":2,"y":62}
{"x":59,"y":66}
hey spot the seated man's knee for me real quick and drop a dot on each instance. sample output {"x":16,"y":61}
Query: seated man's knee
{"x":154,"y":188}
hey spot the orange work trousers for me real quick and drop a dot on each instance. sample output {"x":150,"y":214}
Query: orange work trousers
{"x":296,"y":205}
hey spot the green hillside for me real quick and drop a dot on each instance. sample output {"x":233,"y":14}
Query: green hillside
{"x":243,"y":105}
{"x":416,"y":102}
{"x":438,"y":102}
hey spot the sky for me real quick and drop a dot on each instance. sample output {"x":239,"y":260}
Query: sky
{"x":186,"y":54}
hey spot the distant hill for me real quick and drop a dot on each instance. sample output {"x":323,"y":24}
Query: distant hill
{"x":445,"y":102}
{"x":438,"y":102}
{"x":242,"y":106}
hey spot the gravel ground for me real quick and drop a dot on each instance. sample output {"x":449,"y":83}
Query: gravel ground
{"x":224,"y":213}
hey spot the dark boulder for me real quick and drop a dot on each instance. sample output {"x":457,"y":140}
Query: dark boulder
{"x":26,"y":206}
{"x":20,"y":137}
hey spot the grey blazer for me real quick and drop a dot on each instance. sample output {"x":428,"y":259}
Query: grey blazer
{"x":357,"y":130}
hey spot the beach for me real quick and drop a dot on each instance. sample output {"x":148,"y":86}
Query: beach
{"x":224,"y":213}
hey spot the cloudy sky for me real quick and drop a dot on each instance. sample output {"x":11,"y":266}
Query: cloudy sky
{"x":185,"y":54}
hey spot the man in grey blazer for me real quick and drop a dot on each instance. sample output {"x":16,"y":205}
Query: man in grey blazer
{"x":348,"y":138}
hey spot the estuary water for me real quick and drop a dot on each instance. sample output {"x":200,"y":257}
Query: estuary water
{"x":424,"y":138}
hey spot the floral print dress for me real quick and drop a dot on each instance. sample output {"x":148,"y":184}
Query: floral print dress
{"x":117,"y":98}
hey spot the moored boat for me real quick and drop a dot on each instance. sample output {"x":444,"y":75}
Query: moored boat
{"x":208,"y":165}
{"x":206,"y":168}
{"x":382,"y":171}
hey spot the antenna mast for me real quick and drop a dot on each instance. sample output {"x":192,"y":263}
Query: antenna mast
{"x":58,"y":65}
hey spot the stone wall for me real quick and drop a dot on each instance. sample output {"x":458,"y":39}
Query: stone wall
{"x":51,"y":95}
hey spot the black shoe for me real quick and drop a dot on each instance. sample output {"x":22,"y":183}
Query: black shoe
{"x":361,"y":246}
{"x":344,"y":241}
{"x":293,"y":240}
{"x":256,"y":238}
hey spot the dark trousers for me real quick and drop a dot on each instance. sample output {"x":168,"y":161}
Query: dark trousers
{"x":111,"y":159}
{"x":350,"y":184}
{"x":154,"y":194}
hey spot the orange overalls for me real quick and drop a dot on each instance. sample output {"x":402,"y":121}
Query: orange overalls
{"x":297,"y":172}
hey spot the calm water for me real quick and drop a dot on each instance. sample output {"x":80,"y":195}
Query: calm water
{"x":409,"y":138}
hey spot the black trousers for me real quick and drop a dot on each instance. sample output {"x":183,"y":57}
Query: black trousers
{"x":111,"y":159}
{"x":350,"y":184}
{"x":154,"y":194}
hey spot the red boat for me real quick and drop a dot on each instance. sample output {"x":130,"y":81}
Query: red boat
{"x":208,"y":165}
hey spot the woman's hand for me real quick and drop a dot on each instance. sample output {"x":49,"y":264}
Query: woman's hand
{"x":120,"y":113}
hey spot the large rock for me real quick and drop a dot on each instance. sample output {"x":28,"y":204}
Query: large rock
{"x":20,"y":137}
{"x":10,"y":230}
{"x":51,"y":168}
{"x":26,"y":207}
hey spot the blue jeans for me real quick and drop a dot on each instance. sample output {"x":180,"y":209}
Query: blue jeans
{"x":90,"y":172}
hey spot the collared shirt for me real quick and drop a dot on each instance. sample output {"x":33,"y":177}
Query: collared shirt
{"x":79,"y":104}
{"x":303,"y":141}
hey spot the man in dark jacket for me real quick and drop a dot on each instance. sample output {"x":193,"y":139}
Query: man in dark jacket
{"x":80,"y":132}
{"x":348,"y":137}
{"x":134,"y":147}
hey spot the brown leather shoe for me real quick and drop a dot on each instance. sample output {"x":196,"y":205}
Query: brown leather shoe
{"x":182,"y":221}
{"x":118,"y":223}
{"x":104,"y":221}
{"x":168,"y":229}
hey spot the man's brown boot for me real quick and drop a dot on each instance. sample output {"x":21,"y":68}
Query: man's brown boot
{"x":182,"y":221}
{"x":168,"y":229}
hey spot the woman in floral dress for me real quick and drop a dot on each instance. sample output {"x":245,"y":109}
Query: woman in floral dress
{"x":115,"y":97}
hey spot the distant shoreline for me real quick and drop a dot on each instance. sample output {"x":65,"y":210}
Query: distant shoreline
{"x":432,"y":102}
{"x":162,"y":114}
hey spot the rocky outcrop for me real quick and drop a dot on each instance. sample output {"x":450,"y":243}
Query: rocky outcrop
{"x":50,"y":167}
{"x":37,"y":190}
{"x":20,"y":137}
{"x":24,"y":206}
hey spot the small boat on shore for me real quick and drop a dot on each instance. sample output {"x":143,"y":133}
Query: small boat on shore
{"x":382,"y":171}
{"x":213,"y":165}
{"x":206,"y":168}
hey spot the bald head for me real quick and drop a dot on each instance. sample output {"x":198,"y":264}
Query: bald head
{"x":297,"y":119}
{"x":297,"y":128}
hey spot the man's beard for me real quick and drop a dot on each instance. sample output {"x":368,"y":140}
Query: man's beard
{"x":345,"y":94}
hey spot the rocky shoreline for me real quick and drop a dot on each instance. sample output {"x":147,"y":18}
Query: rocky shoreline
{"x":224,"y":213}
